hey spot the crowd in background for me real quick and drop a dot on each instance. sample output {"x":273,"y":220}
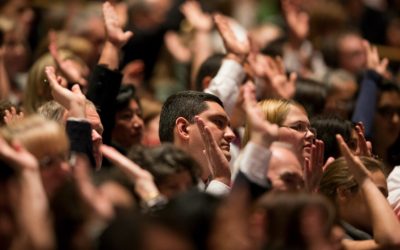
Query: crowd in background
{"x":209,"y":124}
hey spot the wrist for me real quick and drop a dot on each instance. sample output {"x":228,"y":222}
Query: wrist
{"x":236,"y":57}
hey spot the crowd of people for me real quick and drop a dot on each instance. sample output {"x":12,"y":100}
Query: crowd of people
{"x":184,"y":124}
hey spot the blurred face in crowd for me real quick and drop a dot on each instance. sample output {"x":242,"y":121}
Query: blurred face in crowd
{"x":97,"y":131}
{"x":296,"y":130}
{"x":387,"y":119}
{"x":284,"y":169}
{"x":351,"y":53}
{"x":128,"y":128}
{"x":340,"y":99}
{"x":352,"y":204}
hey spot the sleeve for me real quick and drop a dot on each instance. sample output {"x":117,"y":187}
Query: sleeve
{"x":80,"y":136}
{"x":253,"y":170}
{"x":218,"y":188}
{"x":226,"y":83}
{"x":103,"y":89}
{"x":366,"y":101}
{"x":393,"y":182}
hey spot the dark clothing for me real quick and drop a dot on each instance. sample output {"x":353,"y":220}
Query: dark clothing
{"x":353,"y":233}
{"x":80,"y":138}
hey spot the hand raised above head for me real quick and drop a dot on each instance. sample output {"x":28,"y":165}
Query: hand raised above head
{"x":356,"y":167}
{"x":74,"y":101}
{"x":373,"y":60}
{"x":114,"y":31}
{"x":262,"y":132}
{"x":233,"y":45}
{"x":200,"y":20}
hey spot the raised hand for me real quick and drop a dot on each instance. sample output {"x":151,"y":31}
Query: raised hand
{"x":114,"y":31}
{"x":373,"y":61}
{"x":356,"y":167}
{"x":278,"y":84}
{"x":193,"y":13}
{"x":70,"y":69}
{"x":73,"y":100}
{"x":364,"y":146}
{"x":296,"y":19}
{"x":314,"y":166}
{"x":238,"y":49}
{"x":143,"y":180}
{"x":177,"y":49}
{"x":12,"y":115}
{"x":17,"y":156}
{"x":262,"y":132}
{"x":218,"y":164}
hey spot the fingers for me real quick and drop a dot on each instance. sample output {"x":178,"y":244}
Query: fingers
{"x":121,"y":161}
{"x":327,"y":163}
{"x":344,"y":149}
{"x":362,"y":142}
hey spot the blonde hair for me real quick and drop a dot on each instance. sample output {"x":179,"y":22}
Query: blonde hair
{"x":38,"y":135}
{"x":37,"y":89}
{"x":275,"y":111}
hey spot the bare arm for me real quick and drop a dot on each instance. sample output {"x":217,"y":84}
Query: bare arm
{"x":385,"y":224}
{"x":32,"y":209}
{"x":4,"y":81}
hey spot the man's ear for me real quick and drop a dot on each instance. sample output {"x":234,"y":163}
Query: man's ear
{"x":206,"y":82}
{"x":182,"y":128}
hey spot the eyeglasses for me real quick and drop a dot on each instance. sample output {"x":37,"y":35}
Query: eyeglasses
{"x":303,"y":128}
{"x":389,"y":111}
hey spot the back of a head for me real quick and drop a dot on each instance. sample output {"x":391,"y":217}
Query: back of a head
{"x":37,"y":134}
{"x":192,"y":215}
{"x":52,"y":110}
{"x":327,"y":127}
{"x":285,"y":212}
{"x":164,"y":161}
{"x":311,"y":94}
{"x":186,"y":104}
{"x":209,"y":68}
{"x":337,"y":175}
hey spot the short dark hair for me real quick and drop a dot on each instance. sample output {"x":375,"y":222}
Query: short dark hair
{"x":125,"y":95}
{"x":165,"y":160}
{"x":327,"y":127}
{"x":210,"y":68}
{"x":186,"y":104}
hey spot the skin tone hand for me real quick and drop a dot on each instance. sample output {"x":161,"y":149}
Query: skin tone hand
{"x":73,"y":100}
{"x":297,"y":21}
{"x":12,"y":115}
{"x":236,"y":49}
{"x":177,"y":49}
{"x":218,"y":164}
{"x":373,"y":61}
{"x":17,"y":156}
{"x":262,"y":132}
{"x":200,"y":20}
{"x":143,"y":180}
{"x":313,"y":167}
{"x":70,"y":69}
{"x":364,"y":146}
{"x":278,"y":84}
{"x":114,"y":31}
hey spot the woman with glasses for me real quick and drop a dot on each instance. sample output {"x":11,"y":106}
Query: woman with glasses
{"x":293,"y":122}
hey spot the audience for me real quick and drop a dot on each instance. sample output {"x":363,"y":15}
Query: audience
{"x":164,"y":125}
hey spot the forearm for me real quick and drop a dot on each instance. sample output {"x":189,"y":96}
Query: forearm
{"x":110,"y":56}
{"x":33,"y":211}
{"x":385,"y":225}
{"x":201,"y":51}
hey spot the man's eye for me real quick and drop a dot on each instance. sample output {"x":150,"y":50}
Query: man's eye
{"x":219,"y":123}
